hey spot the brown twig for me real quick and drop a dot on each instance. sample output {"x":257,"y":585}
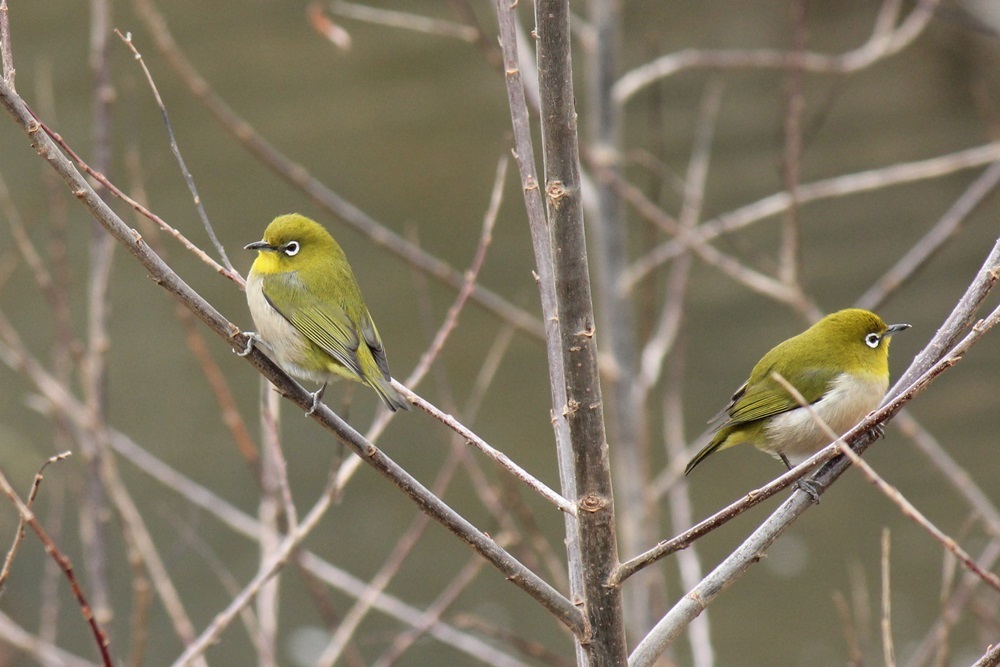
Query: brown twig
{"x":216,"y":379}
{"x":65,"y":565}
{"x":175,"y":149}
{"x":142,"y":210}
{"x":20,"y":533}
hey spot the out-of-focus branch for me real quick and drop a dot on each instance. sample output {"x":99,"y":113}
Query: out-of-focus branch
{"x":838,"y":186}
{"x":945,"y":229}
{"x":885,"y":41}
{"x":6,"y":53}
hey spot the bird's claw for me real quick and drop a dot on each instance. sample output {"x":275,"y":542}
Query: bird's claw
{"x":810,"y":488}
{"x":317,"y":396}
{"x":878,"y":430}
{"x":252,"y":339}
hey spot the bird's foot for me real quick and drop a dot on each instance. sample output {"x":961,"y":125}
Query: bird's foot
{"x":806,"y":486}
{"x":878,"y":430}
{"x":810,"y":488}
{"x":317,"y":396}
{"x":252,"y":339}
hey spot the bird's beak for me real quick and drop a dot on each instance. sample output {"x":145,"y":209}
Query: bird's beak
{"x":264,"y":245}
{"x":893,"y":328}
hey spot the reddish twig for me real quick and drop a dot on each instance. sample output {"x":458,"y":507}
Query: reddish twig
{"x":28,"y":517}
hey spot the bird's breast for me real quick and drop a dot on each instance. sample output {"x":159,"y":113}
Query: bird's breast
{"x":288,"y":346}
{"x":797,"y":435}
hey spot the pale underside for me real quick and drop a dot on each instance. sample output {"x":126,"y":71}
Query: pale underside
{"x":797,"y":435}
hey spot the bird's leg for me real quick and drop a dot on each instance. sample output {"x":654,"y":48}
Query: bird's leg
{"x":252,"y":339}
{"x":807,"y":486}
{"x":317,"y":396}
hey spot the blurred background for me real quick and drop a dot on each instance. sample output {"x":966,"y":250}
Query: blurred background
{"x":409,"y":127}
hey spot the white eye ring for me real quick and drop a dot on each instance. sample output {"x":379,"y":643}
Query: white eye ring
{"x":872,"y":340}
{"x":291,"y":248}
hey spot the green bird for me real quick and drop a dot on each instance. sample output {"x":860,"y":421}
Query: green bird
{"x":308,"y":310}
{"x":840,"y":365}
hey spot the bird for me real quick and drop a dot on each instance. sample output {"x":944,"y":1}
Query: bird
{"x":840,"y":366}
{"x":308,"y":310}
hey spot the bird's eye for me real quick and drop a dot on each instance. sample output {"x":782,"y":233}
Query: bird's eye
{"x":291,"y":248}
{"x":872,"y":340}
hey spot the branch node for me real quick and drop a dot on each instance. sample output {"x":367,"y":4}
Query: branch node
{"x":592,"y":503}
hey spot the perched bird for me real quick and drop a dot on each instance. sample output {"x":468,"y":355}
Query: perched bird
{"x":308,"y":309}
{"x":840,"y":365}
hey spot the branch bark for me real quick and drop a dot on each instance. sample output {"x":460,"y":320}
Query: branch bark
{"x":584,"y":409}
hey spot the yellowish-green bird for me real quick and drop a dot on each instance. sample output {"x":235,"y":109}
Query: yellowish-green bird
{"x":840,"y":365}
{"x":308,"y":310}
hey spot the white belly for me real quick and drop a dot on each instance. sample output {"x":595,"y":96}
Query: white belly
{"x":287,"y":346}
{"x":796,"y":434}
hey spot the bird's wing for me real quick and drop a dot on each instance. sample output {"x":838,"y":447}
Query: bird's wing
{"x":326,"y":325}
{"x":374,"y":342}
{"x":765,"y":397}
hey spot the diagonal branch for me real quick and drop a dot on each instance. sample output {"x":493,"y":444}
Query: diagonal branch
{"x":163,"y":275}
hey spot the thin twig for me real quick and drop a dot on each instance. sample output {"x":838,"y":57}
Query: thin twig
{"x":175,"y":149}
{"x":838,"y":186}
{"x":884,"y":42}
{"x":390,"y":568}
{"x":20,"y":533}
{"x":888,"y":650}
{"x":44,"y":652}
{"x":6,"y":54}
{"x":322,"y":24}
{"x":928,"y":246}
{"x":268,"y":569}
{"x":891,"y":492}
{"x":517,"y":471}
{"x":405,"y":21}
{"x":65,"y":565}
{"x":103,"y":180}
{"x":789,"y":257}
{"x":458,"y":584}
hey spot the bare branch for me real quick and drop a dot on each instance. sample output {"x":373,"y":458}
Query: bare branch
{"x":52,"y":550}
{"x":885,"y":41}
{"x":176,"y":150}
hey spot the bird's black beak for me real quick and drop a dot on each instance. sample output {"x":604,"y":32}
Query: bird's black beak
{"x":264,"y":245}
{"x":893,"y":328}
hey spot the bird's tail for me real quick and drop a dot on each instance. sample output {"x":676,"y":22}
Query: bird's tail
{"x":389,"y":395}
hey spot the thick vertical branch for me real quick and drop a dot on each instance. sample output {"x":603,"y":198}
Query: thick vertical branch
{"x":584,"y":410}
{"x":541,"y":241}
{"x":627,"y":406}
